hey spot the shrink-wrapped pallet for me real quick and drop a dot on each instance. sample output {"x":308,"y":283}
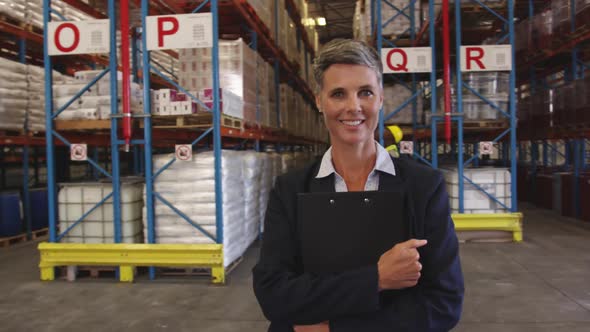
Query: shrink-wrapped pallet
{"x":237,"y":63}
{"x":190,"y":187}
{"x":251,"y":178}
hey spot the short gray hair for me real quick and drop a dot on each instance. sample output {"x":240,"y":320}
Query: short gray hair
{"x":346,"y":51}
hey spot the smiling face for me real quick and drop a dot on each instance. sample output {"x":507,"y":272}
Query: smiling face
{"x":350,"y":99}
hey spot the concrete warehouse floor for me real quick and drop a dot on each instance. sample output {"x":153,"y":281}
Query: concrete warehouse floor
{"x":542,"y":284}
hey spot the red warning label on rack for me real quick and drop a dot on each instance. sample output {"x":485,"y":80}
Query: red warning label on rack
{"x":406,"y":147}
{"x":78,"y":37}
{"x":406,"y":60}
{"x":179,"y":31}
{"x":78,"y":152}
{"x":486,"y":58}
{"x":486,"y":148}
{"x":184,"y":152}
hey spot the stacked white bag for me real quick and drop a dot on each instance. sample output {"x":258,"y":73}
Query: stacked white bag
{"x":22,"y":95}
{"x":288,"y":161}
{"x":266,"y":182}
{"x":13,"y":95}
{"x":247,"y":178}
{"x":251,"y":175}
{"x":272,"y":167}
{"x":36,"y":95}
{"x":190,"y":187}
{"x":31,"y":11}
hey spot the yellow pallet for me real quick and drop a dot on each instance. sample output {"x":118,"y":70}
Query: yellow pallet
{"x":508,"y":222}
{"x":128,"y":256}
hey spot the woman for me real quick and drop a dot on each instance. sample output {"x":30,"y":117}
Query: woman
{"x":417,"y":285}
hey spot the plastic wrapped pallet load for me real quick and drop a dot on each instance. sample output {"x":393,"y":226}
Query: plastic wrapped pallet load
{"x":266,"y":182}
{"x":496,"y":182}
{"x":251,"y":175}
{"x":237,"y":62}
{"x":76,"y":199}
{"x":13,"y":98}
{"x":190,"y":187}
{"x":288,"y":161}
{"x":396,"y":96}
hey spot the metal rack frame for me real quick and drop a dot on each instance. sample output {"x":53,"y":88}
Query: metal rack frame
{"x":510,"y":221}
{"x":54,"y":253}
{"x":50,"y":133}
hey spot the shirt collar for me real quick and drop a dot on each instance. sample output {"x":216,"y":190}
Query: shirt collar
{"x":384,"y":163}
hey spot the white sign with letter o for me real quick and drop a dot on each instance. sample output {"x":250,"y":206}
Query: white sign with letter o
{"x":78,"y":152}
{"x":184,"y":152}
{"x":78,"y":37}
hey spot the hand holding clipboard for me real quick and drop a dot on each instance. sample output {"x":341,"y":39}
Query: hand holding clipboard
{"x":400,"y":266}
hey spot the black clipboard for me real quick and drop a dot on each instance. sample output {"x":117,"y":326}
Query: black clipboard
{"x":348,"y":230}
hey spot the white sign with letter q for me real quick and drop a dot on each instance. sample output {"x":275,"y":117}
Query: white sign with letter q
{"x":406,"y":60}
{"x":179,"y":31}
{"x":78,"y":37}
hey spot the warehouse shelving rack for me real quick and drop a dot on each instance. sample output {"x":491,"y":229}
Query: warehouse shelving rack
{"x":512,"y":221}
{"x":547,"y":69}
{"x":21,"y":139}
{"x":234,"y":17}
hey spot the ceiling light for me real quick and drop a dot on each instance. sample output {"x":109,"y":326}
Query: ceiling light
{"x":321,"y":21}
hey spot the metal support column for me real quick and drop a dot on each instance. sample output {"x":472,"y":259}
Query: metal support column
{"x":50,"y":151}
{"x":578,"y":160}
{"x":22,"y":56}
{"x":512,"y":105}
{"x":433,"y":96}
{"x":379,"y":32}
{"x":545,"y":153}
{"x":217,"y":124}
{"x":115,"y":171}
{"x":147,"y":132}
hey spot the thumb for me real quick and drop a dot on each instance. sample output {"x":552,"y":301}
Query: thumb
{"x":414,"y":243}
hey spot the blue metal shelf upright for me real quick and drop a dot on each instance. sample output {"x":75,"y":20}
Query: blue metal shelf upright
{"x":51,"y":134}
{"x":407,"y":15}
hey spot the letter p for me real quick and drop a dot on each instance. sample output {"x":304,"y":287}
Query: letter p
{"x":164,"y":32}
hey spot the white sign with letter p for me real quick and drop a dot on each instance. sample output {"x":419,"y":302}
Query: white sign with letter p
{"x":179,"y":31}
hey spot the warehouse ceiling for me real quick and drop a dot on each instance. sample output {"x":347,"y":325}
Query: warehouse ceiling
{"x":338,"y":14}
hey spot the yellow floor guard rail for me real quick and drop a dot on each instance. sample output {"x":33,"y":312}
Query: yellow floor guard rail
{"x":509,"y":222}
{"x":127,"y":256}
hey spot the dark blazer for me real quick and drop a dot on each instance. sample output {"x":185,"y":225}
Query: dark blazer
{"x":350,"y":301}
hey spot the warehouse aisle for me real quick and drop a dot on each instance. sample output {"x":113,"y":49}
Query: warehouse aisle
{"x":539,"y":285}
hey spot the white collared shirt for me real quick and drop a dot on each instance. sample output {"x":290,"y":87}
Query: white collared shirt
{"x":383,"y":163}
